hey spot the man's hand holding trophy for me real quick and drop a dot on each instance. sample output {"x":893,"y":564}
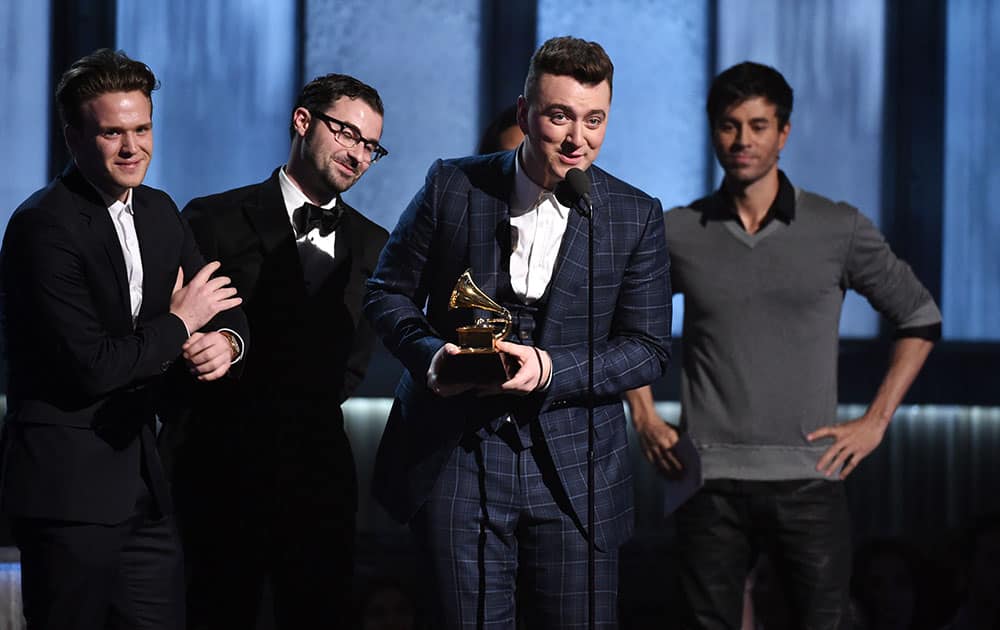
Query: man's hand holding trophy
{"x":482,"y":361}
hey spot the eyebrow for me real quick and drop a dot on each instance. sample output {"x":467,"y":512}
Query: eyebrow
{"x":755,"y":119}
{"x":564,"y":107}
{"x":354,"y":128}
{"x":124,"y":128}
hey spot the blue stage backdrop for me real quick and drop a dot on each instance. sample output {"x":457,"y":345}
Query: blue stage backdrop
{"x":228,"y":81}
{"x":970,"y":281}
{"x":24,"y":101}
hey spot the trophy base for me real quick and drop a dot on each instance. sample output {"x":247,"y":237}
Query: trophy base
{"x":481,"y":366}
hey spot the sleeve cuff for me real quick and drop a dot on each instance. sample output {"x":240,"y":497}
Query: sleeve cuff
{"x":548,"y":381}
{"x":187,"y":333}
{"x":930,"y":332}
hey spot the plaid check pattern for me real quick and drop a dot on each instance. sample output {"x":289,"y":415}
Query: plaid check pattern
{"x":458,"y":220}
{"x":505,"y":516}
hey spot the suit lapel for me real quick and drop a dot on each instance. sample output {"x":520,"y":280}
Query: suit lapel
{"x":489,"y":227}
{"x":569,"y":280}
{"x":149,"y":250}
{"x":346,"y":236}
{"x":96,"y":221}
{"x":267,"y":215}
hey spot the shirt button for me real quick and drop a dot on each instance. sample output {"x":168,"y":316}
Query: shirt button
{"x":525,"y":335}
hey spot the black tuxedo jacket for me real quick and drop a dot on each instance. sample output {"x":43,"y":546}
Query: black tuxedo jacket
{"x":84,"y":384}
{"x":311,"y":348}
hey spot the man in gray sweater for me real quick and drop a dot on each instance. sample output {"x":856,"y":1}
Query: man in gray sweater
{"x":764,"y":266}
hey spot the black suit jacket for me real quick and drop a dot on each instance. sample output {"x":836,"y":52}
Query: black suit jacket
{"x":84,"y":383}
{"x":311,"y":350}
{"x":308,"y":345}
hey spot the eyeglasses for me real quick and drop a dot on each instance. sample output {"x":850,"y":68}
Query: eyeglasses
{"x":349,"y":136}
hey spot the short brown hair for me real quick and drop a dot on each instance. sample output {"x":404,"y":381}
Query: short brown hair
{"x":569,"y":56}
{"x":100,"y":72}
{"x":324,"y":91}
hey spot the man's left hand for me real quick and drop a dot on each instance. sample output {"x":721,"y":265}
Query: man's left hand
{"x":852,"y":441}
{"x":531,"y":368}
{"x":208,"y":355}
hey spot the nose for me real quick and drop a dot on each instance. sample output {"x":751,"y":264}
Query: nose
{"x":741,"y":133}
{"x":574,"y":135}
{"x":359,"y":154}
{"x":128,"y":143}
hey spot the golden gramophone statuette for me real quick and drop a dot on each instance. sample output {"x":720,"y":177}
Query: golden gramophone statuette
{"x":481,"y":337}
{"x":478,"y":360}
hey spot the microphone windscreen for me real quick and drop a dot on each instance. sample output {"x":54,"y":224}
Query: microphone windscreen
{"x":578,"y":182}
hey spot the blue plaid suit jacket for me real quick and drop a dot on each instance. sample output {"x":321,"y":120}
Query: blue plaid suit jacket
{"x":459,"y":220}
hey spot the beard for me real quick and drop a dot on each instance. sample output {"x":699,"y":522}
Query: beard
{"x":334,"y":178}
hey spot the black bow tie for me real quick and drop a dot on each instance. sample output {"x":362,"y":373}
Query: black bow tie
{"x":309,"y":217}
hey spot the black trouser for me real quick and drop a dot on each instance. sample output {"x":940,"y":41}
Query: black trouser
{"x":802,"y":525}
{"x":84,"y":576}
{"x":272,"y":501}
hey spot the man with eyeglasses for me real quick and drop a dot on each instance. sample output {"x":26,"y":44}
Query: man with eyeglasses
{"x":269,"y":491}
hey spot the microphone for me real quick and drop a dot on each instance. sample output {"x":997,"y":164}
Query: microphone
{"x":576,"y":189}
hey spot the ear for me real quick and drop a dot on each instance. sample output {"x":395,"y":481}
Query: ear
{"x":301,"y":119}
{"x":522,"y":114}
{"x":783,"y":135}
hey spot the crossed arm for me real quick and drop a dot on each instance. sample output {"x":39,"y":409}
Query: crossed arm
{"x":55,"y":280}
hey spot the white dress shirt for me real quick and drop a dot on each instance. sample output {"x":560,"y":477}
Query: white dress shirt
{"x":537,"y":222}
{"x":315,"y":252}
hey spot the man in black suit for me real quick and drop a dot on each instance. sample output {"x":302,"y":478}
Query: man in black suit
{"x":95,"y":310}
{"x":269,"y":491}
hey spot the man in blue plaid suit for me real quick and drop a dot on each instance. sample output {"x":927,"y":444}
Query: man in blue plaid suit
{"x":492,"y":478}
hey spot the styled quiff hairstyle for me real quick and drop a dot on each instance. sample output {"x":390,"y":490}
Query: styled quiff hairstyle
{"x":745,"y":81}
{"x":323,"y":91}
{"x":101,"y":72}
{"x":569,"y":56}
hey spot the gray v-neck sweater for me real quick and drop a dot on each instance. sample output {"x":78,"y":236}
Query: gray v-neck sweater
{"x":761,"y":315}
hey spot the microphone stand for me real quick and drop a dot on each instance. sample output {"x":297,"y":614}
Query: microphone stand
{"x":586,"y":209}
{"x":579,"y":188}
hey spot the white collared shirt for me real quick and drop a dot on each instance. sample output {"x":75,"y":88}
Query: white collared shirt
{"x":315,"y":252}
{"x":538,"y":222}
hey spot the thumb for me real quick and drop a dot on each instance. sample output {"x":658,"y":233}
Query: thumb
{"x":505,"y":346}
{"x":179,"y":283}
